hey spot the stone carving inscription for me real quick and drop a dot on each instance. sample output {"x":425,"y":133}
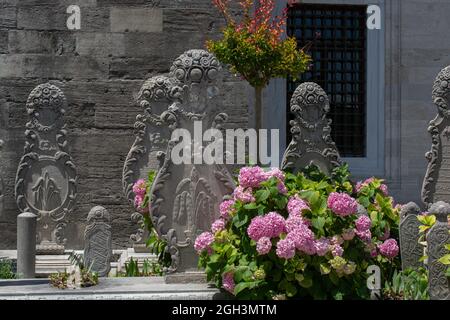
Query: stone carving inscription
{"x":97,"y":241}
{"x":46,"y":175}
{"x":436,"y":185}
{"x":151,"y":140}
{"x":311,"y":142}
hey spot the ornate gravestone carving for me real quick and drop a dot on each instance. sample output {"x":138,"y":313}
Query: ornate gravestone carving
{"x":185,"y":197}
{"x":97,"y":241}
{"x":410,"y":249}
{"x":151,"y":141}
{"x":437,"y":238}
{"x":435,"y":185}
{"x":311,"y":142}
{"x":46,"y":176}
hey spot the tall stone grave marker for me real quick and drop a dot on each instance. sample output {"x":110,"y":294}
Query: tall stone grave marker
{"x":97,"y":241}
{"x":186,"y":196}
{"x":46,"y":175}
{"x":436,"y":186}
{"x":311,"y":142}
{"x":410,"y":249}
{"x":152,"y":137}
{"x":437,"y":238}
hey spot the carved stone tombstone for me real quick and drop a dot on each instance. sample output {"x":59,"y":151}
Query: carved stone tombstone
{"x":152,"y":137}
{"x":311,"y":142}
{"x":437,"y":238}
{"x":436,"y":186}
{"x":410,"y":249}
{"x":97,"y":241}
{"x":186,"y":196}
{"x":46,"y":175}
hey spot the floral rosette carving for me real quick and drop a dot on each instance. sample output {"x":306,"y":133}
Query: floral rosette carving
{"x":311,"y":131}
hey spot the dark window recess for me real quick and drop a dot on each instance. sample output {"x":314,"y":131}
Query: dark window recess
{"x":339,"y":67}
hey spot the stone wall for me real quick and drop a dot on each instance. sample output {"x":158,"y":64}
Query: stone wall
{"x":100,"y":68}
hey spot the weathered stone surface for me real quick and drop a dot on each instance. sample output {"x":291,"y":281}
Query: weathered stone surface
{"x":436,"y":184}
{"x":1,"y":183}
{"x":437,"y":238}
{"x":97,"y":241}
{"x":410,"y":249}
{"x":186,"y":197}
{"x":311,"y":142}
{"x":152,"y":137}
{"x":136,"y":20}
{"x":101,"y":82}
{"x":46,"y":176}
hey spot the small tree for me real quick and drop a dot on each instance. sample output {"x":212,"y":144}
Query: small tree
{"x":256,"y":49}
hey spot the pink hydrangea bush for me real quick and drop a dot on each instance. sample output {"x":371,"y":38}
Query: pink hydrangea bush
{"x":313,"y":233}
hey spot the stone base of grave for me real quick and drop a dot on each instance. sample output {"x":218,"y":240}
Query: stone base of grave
{"x":48,"y":264}
{"x":186,"y":277}
{"x":141,"y":248}
{"x":49,"y":248}
{"x":145,"y":288}
{"x":140,"y":257}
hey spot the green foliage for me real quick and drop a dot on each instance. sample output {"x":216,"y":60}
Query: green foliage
{"x":304,"y":276}
{"x":256,"y":58}
{"x":446,"y":260}
{"x":62,"y":280}
{"x":6,"y":269}
{"x":148,"y":269}
{"x":59,"y":280}
{"x":157,"y":245}
{"x":409,"y":284}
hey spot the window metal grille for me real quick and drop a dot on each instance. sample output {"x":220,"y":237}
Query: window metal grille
{"x":339,"y":66}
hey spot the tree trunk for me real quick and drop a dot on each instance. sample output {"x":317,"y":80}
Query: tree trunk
{"x":258,"y":117}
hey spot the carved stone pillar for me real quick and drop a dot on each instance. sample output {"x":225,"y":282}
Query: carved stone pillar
{"x":435,"y":185}
{"x":437,"y":238}
{"x":186,"y":197}
{"x":311,"y":142}
{"x":46,"y":175}
{"x":152,"y":137}
{"x":410,"y":249}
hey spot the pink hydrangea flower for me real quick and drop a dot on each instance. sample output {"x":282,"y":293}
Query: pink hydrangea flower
{"x":251,"y":177}
{"x":303,"y":239}
{"x":285,"y":249}
{"x":276,"y":223}
{"x":138,"y":202}
{"x":296,"y":206}
{"x":374,"y":253}
{"x":348,"y":234}
{"x":226,"y":208}
{"x":384,"y":190}
{"x":228,"y":282}
{"x":337,"y":240}
{"x":322,"y":246}
{"x":244,"y":195}
{"x":342,"y":204}
{"x":218,"y":225}
{"x":294,"y":222}
{"x":204,"y":242}
{"x":389,"y":248}
{"x":337,"y":250}
{"x":365,"y":236}
{"x":275,"y":173}
{"x":282,"y":188}
{"x":363,"y":223}
{"x":263,"y":245}
{"x":140,"y":187}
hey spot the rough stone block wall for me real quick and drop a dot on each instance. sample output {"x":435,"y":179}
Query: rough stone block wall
{"x":100,"y":68}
